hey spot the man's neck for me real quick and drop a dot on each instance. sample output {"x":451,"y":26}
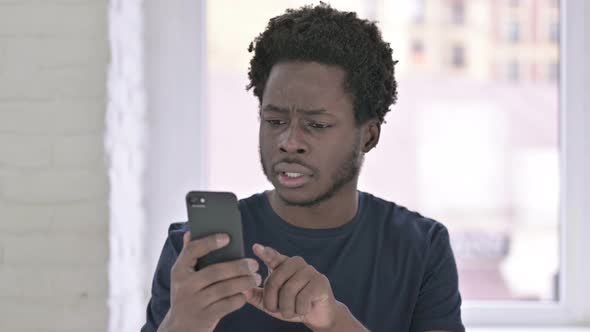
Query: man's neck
{"x":331,"y":213}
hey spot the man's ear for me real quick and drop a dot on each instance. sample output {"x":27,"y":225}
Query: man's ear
{"x":372,"y":131}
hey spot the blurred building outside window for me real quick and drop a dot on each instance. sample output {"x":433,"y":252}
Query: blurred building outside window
{"x":458,"y":12}
{"x":553,"y":72}
{"x":554,"y":32}
{"x":513,"y":71}
{"x":417,"y":51}
{"x":458,"y":56}
{"x":513,"y":34}
{"x":417,"y":13}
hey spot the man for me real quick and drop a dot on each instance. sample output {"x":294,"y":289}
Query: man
{"x":322,"y":256}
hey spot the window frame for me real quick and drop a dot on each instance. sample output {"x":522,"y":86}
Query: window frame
{"x":571,"y":308}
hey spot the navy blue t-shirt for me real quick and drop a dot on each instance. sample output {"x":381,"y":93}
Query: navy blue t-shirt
{"x":393,"y":268}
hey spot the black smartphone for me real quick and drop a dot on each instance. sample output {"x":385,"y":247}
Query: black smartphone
{"x":215,"y":212}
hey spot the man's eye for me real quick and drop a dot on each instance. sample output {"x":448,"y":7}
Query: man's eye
{"x":317,"y":125}
{"x":275,"y":123}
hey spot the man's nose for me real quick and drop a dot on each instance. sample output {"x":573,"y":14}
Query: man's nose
{"x":291,"y":141}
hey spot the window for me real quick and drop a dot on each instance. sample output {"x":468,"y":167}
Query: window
{"x":458,"y":12}
{"x":508,"y":244}
{"x":513,"y":32}
{"x":513,"y":71}
{"x":458,"y":56}
{"x":554,"y":32}
{"x":553,"y":72}
{"x":480,"y":163}
{"x":417,"y":11}
{"x":417,"y":51}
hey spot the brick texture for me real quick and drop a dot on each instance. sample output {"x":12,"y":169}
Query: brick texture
{"x":54,"y":246}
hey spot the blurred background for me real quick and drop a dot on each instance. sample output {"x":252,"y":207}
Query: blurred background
{"x":110,"y":111}
{"x":472,"y":142}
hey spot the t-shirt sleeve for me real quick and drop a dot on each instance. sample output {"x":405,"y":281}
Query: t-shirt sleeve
{"x":438,"y":307}
{"x":159,"y":302}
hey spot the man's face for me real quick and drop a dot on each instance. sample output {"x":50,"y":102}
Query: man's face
{"x":309,"y":143}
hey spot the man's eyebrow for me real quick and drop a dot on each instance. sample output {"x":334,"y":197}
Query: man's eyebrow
{"x":273,"y":108}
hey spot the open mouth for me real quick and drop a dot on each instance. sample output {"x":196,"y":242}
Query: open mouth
{"x":292,"y":179}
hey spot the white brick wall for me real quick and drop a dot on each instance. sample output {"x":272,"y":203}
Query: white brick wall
{"x":126,"y":148}
{"x":53,"y":180}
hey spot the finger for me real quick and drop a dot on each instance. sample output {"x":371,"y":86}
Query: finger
{"x":222,"y":271}
{"x":269,"y":256}
{"x":186,"y":238}
{"x":254,"y":297}
{"x":313,"y":293}
{"x":226,"y":305}
{"x":227,"y":288}
{"x":193,"y":250}
{"x":288,"y":294}
{"x":277,"y":279}
{"x":219,"y":272}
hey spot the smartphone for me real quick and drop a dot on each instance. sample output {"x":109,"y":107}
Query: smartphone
{"x":215,"y":212}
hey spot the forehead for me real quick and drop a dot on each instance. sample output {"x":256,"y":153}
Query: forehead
{"x":307,"y":85}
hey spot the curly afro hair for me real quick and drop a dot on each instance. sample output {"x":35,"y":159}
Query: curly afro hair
{"x":326,"y":35}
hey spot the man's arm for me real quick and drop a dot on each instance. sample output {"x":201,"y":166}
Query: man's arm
{"x":438,"y":307}
{"x":159,"y":302}
{"x":345,"y":322}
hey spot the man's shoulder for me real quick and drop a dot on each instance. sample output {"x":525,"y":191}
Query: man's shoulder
{"x":254,"y":200}
{"x":176,"y":231}
{"x":179,"y":227}
{"x":402,"y":220}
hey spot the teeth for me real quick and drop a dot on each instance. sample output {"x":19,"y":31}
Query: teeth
{"x":293,"y":175}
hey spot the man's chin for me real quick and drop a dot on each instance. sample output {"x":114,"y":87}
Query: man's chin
{"x":299,"y":197}
{"x":295,"y":196}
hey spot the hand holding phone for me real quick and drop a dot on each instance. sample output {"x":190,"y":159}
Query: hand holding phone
{"x":199,"y":299}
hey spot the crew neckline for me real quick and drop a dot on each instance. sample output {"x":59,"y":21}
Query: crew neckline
{"x":274,"y":220}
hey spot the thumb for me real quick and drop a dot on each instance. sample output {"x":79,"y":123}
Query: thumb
{"x":186,"y":238}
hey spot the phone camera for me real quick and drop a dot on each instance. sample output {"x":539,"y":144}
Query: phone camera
{"x":202,"y":200}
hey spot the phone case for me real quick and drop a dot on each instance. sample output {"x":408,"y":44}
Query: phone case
{"x":215,"y":212}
